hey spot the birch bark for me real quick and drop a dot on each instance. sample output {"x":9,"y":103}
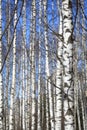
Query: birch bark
{"x":68,"y":65}
{"x":58,"y":114}
{"x":33,"y":63}
{"x":83,"y":59}
{"x":39,"y":68}
{"x":11,"y":117}
{"x":1,"y":97}
{"x":7,"y":66}
{"x":49,"y":111}
{"x":24,"y":64}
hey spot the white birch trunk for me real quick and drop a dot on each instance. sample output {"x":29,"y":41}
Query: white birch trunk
{"x":82,"y":106}
{"x":76,"y":89}
{"x":39,"y":68}
{"x":83,"y":59}
{"x":85,"y":49}
{"x":58,"y":115}
{"x":23,"y":92}
{"x":46,"y":64}
{"x":33,"y":63}
{"x":52,"y":80}
{"x":67,"y":66}
{"x":24,"y":64}
{"x":86,"y":92}
{"x":30,"y":56}
{"x":1,"y":98}
{"x":77,"y":109}
{"x":11,"y":116}
{"x":28,"y":94}
{"x":7,"y":67}
{"x":48,"y":85}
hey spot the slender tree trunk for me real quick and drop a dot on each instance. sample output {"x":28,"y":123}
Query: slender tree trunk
{"x":68,"y":66}
{"x":23,"y":91}
{"x":28,"y":94}
{"x":78,"y":112}
{"x":52,"y":78}
{"x":58,"y":114}
{"x":82,"y":105}
{"x":20,"y":92}
{"x":26,"y":90}
{"x":24,"y":65}
{"x":1,"y":97}
{"x":39,"y":69}
{"x":85,"y":91}
{"x":33,"y":63}
{"x":11,"y":116}
{"x":30,"y":56}
{"x":50,"y":123}
{"x":46,"y":65}
{"x":7,"y":69}
{"x":83,"y":67}
{"x":85,"y":58}
{"x":17,"y":113}
{"x":76,"y":89}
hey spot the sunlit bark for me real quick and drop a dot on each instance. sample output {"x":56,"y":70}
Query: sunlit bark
{"x":67,"y":65}
{"x":7,"y":69}
{"x":1,"y":97}
{"x":33,"y":63}
{"x":11,"y":116}
{"x":49,"y":111}
{"x":39,"y":69}
{"x":24,"y":64}
{"x":58,"y":115}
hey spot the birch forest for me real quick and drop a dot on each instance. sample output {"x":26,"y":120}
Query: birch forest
{"x":43,"y":64}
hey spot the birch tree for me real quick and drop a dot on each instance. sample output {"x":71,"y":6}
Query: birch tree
{"x":1,"y":97}
{"x":39,"y":68}
{"x":24,"y":64}
{"x":83,"y":66}
{"x":50,"y":122}
{"x":58,"y":115}
{"x":68,"y":65}
{"x":28,"y":95}
{"x":76,"y":92}
{"x":11,"y":117}
{"x":7,"y":67}
{"x":33,"y":63}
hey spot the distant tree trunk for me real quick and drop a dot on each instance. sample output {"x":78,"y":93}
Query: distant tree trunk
{"x":77,"y":119}
{"x":82,"y":105}
{"x":28,"y":94}
{"x":53,"y":89}
{"x":1,"y":95}
{"x":77,"y":103}
{"x":39,"y":69}
{"x":11,"y":116}
{"x":85,"y":54}
{"x":18,"y":98}
{"x":76,"y":89}
{"x":24,"y":65}
{"x":49,"y":112}
{"x":27,"y":86}
{"x":83,"y":68}
{"x":23,"y":88}
{"x":58,"y":115}
{"x":7,"y":68}
{"x":33,"y":63}
{"x":30,"y":58}
{"x":20,"y":92}
{"x":68,"y":66}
